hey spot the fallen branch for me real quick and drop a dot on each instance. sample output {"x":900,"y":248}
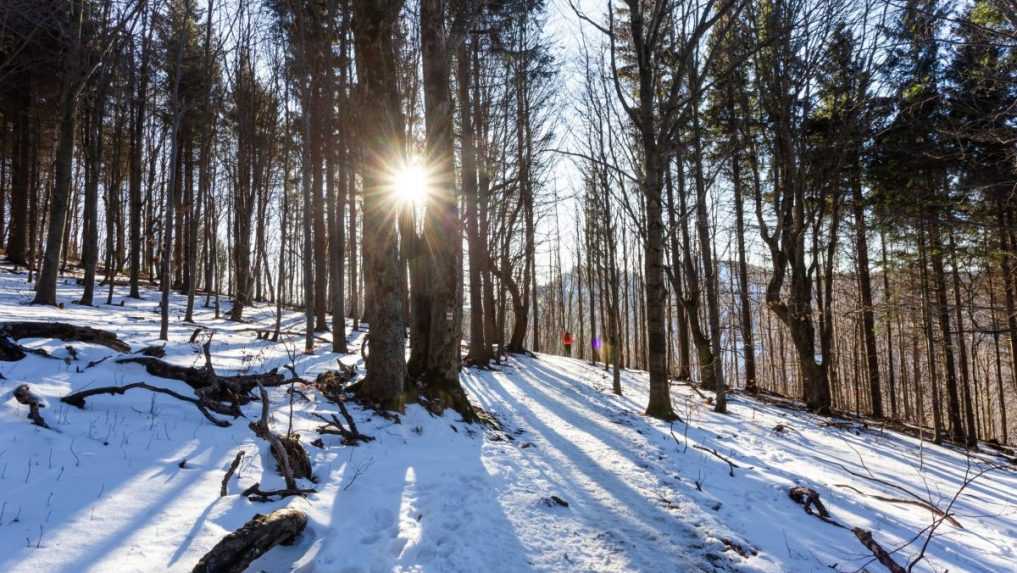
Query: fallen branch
{"x":288,"y":453}
{"x":24,"y":395}
{"x":78,"y":398}
{"x":918,"y":500}
{"x":731,"y":465}
{"x":877,"y":550}
{"x":738,"y":548}
{"x":335,"y":426}
{"x":224,"y":491}
{"x":331,"y":385}
{"x":263,"y":532}
{"x":919,"y":503}
{"x":255,"y":493}
{"x":95,"y":363}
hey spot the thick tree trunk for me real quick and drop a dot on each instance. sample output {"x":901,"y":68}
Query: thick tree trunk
{"x":659,"y":405}
{"x":46,"y":283}
{"x":374,"y":28}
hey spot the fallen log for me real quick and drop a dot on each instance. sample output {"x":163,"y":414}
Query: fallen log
{"x":24,"y":395}
{"x":261,"y":533}
{"x":10,"y":331}
{"x":877,"y":550}
{"x":221,"y":388}
{"x":77,"y":399}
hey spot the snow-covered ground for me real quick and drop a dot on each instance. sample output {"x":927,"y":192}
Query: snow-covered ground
{"x":105,"y":490}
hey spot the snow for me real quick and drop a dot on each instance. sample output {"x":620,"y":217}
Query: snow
{"x":106,"y":491}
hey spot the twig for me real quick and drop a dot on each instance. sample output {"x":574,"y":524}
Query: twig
{"x":731,"y":465}
{"x":922,"y":504}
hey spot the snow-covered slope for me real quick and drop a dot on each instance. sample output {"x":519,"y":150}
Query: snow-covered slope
{"x":106,"y":491}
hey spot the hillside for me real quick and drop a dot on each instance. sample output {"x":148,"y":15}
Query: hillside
{"x":569,"y":478}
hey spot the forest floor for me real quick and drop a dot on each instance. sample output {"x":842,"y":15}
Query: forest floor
{"x":105,"y":490}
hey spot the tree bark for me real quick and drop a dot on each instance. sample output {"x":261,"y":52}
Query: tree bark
{"x":262,"y":532}
{"x":46,"y":283}
{"x":374,"y":28}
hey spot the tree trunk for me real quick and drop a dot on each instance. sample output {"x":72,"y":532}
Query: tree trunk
{"x":709,"y":271}
{"x":46,"y":283}
{"x":21,"y":173}
{"x":374,"y":28}
{"x":971,"y":436}
{"x":943,"y":316}
{"x":93,"y":170}
{"x":480,"y":351}
{"x":865,"y":290}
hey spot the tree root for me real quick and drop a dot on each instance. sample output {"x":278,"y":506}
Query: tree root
{"x":10,"y":331}
{"x":446,"y":395}
{"x":78,"y":399}
{"x":263,"y":532}
{"x":24,"y":395}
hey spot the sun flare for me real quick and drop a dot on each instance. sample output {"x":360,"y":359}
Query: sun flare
{"x":409,"y":183}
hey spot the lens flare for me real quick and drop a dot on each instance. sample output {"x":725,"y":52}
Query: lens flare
{"x":409,"y":183}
